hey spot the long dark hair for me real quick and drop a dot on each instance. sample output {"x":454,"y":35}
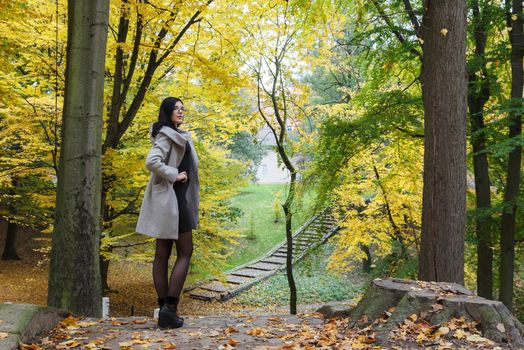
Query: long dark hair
{"x":164,"y":115}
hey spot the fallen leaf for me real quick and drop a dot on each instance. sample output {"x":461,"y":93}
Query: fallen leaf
{"x":421,"y":337}
{"x":443,"y":330}
{"x":275,"y":319}
{"x":169,"y":346}
{"x":254,"y":331}
{"x":126,"y":344}
{"x":413,"y":317}
{"x":68,"y":344}
{"x":444,"y":31}
{"x":231,"y":329}
{"x":69,"y":321}
{"x":477,"y":338}
{"x":86,"y":324}
{"x":358,"y":345}
{"x":4,"y":335}
{"x":139,"y":321}
{"x":232,"y":342}
{"x":459,"y":334}
{"x":30,"y":347}
{"x":501,"y":327}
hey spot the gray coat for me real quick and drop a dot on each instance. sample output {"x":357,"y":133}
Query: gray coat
{"x":159,"y":211}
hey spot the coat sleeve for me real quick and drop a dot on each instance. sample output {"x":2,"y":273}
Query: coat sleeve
{"x":157,"y":158}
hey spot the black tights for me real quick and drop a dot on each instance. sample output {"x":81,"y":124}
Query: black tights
{"x":184,"y":250}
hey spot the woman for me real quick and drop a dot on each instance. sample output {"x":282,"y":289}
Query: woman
{"x":169,"y":210}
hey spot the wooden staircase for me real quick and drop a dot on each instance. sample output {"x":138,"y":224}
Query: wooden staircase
{"x":313,"y":233}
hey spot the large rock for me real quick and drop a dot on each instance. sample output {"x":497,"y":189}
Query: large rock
{"x":25,"y":322}
{"x":336,"y":309}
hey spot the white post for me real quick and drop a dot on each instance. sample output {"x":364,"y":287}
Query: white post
{"x":105,"y":307}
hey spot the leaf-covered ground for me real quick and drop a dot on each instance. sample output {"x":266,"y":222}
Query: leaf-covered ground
{"x":243,"y":331}
{"x":258,"y":319}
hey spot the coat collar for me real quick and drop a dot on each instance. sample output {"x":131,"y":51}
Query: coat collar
{"x":178,"y":136}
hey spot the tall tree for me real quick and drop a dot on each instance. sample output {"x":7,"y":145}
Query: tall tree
{"x":280,"y":97}
{"x":507,"y":234}
{"x":444,"y":96}
{"x":74,"y":276}
{"x":274,"y":107}
{"x":478,"y":96}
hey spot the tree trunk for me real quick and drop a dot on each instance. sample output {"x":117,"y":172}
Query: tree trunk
{"x":74,"y":277}
{"x":366,"y":262}
{"x":104,"y":273}
{"x":445,"y":107}
{"x":507,"y":235}
{"x":394,"y":301}
{"x":106,"y":225}
{"x":289,"y":239}
{"x":478,"y":95}
{"x":12,"y":228}
{"x":10,"y":242}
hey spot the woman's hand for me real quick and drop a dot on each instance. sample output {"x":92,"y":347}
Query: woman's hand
{"x":182,"y":177}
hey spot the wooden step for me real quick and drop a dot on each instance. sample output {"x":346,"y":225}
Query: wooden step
{"x":308,"y":241}
{"x":204,"y":294}
{"x":274,"y":260}
{"x":312,"y":239}
{"x":238,"y":279}
{"x":247,"y":272}
{"x":217,"y":286}
{"x":262,"y":266}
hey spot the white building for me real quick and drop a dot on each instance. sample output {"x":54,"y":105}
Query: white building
{"x":269,"y":170}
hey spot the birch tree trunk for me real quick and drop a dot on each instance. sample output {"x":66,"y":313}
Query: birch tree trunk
{"x":74,"y":277}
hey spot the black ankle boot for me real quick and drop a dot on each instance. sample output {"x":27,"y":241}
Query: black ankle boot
{"x":167,"y":317}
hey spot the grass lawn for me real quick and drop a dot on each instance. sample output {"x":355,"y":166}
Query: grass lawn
{"x":257,"y":202}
